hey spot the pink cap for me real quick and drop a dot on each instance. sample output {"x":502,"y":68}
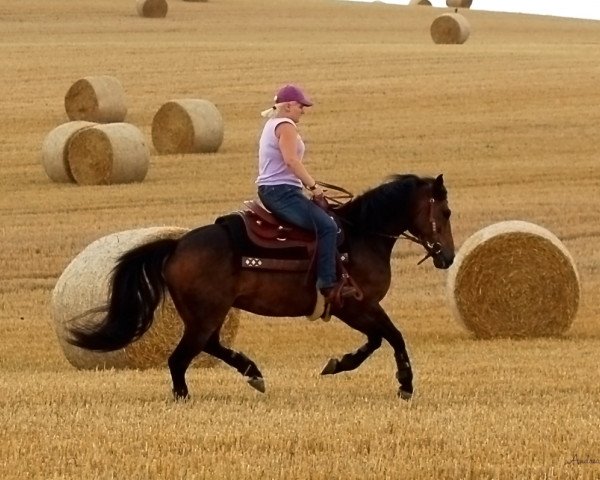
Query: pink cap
{"x":292,"y":93}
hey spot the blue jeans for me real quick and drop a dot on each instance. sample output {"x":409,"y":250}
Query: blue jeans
{"x":288,"y":203}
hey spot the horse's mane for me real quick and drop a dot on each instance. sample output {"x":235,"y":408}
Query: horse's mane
{"x":378,"y":205}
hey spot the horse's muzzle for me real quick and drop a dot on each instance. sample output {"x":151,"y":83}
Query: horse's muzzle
{"x":442,"y":260}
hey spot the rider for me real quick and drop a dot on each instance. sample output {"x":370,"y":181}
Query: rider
{"x":281,"y":176}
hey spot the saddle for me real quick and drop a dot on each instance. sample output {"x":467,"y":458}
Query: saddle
{"x":265,"y":230}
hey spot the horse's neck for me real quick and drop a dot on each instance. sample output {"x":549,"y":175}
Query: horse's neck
{"x":384,"y":233}
{"x":373,"y":239}
{"x":379,"y":246}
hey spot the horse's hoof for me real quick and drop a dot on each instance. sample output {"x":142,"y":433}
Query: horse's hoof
{"x":404,"y":395}
{"x":181,"y":397}
{"x":258,"y":383}
{"x":331,"y":367}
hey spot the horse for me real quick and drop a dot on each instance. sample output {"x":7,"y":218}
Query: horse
{"x":202,"y":273}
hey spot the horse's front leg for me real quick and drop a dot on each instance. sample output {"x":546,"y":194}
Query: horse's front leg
{"x":372,"y":320}
{"x":352,"y":360}
{"x":404,"y":376}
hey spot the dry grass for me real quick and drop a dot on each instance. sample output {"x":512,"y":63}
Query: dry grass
{"x":514,"y":279}
{"x":108,"y":154}
{"x":55,"y":148}
{"x":509,"y":117}
{"x":152,"y":8}
{"x":189,"y":125}
{"x":96,"y":99}
{"x":450,"y":28}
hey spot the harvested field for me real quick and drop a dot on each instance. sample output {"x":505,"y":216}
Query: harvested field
{"x":510,"y":118}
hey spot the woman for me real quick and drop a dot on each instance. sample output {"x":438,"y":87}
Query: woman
{"x":281,"y":176}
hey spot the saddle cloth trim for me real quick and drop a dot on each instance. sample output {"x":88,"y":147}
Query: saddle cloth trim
{"x":258,"y":263}
{"x":286,"y":265}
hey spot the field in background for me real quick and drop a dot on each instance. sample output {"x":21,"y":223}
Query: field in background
{"x":511,"y":118}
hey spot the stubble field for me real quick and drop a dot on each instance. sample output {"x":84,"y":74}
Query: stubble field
{"x":510,"y":118}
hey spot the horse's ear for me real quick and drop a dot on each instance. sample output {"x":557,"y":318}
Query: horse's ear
{"x":438,"y":189}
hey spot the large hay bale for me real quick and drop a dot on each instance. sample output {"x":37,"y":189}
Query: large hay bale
{"x":107,"y":154}
{"x":426,"y":3}
{"x":55,"y":150}
{"x":187,"y":126}
{"x":450,"y":28}
{"x":459,"y":3}
{"x":514,"y":279}
{"x":98,"y":99}
{"x":84,"y":285}
{"x":152,"y":8}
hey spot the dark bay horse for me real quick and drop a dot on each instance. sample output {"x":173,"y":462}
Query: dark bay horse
{"x":203,"y":275}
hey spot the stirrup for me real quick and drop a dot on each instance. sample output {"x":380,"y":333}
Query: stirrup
{"x":338,"y":292}
{"x":327,"y":313}
{"x":321,"y":309}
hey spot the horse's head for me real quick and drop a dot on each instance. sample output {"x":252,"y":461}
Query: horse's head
{"x":431,"y":222}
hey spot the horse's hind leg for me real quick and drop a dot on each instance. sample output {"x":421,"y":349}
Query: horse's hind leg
{"x":197,"y":331}
{"x":189,"y":346}
{"x":353,"y":360}
{"x":237,"y":360}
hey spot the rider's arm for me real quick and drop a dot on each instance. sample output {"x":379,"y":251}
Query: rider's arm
{"x":288,"y":137}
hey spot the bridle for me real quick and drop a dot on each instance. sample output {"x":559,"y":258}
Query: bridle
{"x":432,"y":248}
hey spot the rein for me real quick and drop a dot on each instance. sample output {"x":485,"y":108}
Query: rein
{"x":343,"y":197}
{"x":432,"y":248}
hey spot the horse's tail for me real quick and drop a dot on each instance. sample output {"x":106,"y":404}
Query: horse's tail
{"x":136,"y":289}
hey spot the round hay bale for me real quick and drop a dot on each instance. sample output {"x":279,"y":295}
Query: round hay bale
{"x":55,"y":150}
{"x":187,"y":126}
{"x":107,"y":154}
{"x":98,"y":99}
{"x":450,"y":28}
{"x":152,"y":8}
{"x":426,"y":3}
{"x":459,"y":3}
{"x":84,"y":285}
{"x":514,"y":279}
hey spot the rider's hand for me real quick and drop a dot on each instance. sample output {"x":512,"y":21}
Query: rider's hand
{"x":317,"y":191}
